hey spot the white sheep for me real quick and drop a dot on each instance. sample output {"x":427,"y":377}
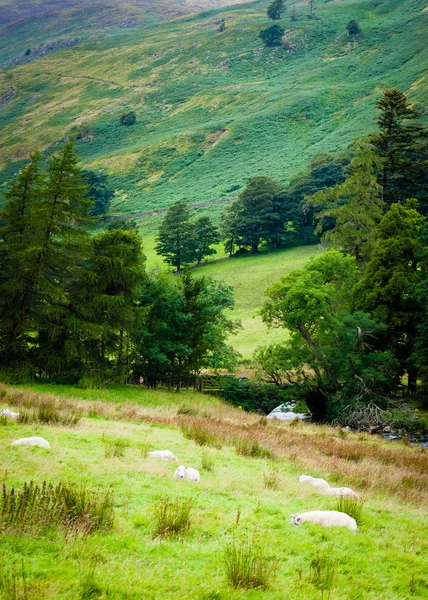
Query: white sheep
{"x":163,"y":454}
{"x":318,"y":483}
{"x":326,"y":518}
{"x":32,"y":441}
{"x":187,"y":473}
{"x":337,"y":492}
{"x":8,"y":413}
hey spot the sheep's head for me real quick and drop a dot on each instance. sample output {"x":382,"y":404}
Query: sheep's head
{"x":296,"y":520}
{"x":179,"y":473}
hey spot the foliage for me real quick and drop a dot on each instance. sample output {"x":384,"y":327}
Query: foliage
{"x":252,"y":396}
{"x":247,"y":446}
{"x":172,"y":517}
{"x":329,"y":345}
{"x":388,"y":280}
{"x":272,"y":36}
{"x":200,"y":434}
{"x":275,"y":10}
{"x":354,"y":205}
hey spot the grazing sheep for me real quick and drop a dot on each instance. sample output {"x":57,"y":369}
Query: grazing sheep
{"x":326,"y":518}
{"x":8,"y":413}
{"x":32,"y":441}
{"x":187,"y":473}
{"x":163,"y":454}
{"x":318,"y":483}
{"x":343,"y":491}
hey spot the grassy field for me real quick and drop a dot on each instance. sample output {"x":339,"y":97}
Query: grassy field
{"x":384,"y":560}
{"x":250,"y":276}
{"x":213,"y":109}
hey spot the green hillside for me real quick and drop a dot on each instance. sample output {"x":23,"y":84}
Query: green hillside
{"x":212,"y":108}
{"x":238,"y":497}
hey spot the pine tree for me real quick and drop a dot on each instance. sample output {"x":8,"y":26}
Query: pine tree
{"x":396,"y":144}
{"x":206,"y":234}
{"x":176,"y":237}
{"x":275,"y":10}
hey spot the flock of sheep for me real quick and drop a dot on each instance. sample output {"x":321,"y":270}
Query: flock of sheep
{"x":326,"y":518}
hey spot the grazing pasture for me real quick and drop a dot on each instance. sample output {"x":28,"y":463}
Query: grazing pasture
{"x":227,"y":536}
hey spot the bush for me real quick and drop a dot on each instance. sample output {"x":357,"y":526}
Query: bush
{"x":172,"y":517}
{"x":353,"y":28}
{"x":272,"y":36}
{"x":247,"y":566}
{"x":253,"y":396}
{"x":128,"y":119}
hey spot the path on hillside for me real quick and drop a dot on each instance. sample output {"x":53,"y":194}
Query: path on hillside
{"x":161,"y":211}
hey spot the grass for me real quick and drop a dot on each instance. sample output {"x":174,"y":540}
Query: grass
{"x":384,"y":560}
{"x":172,"y":517}
{"x":351,"y":506}
{"x":247,"y":566}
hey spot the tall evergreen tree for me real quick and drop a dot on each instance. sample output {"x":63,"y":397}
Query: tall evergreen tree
{"x":99,"y":192}
{"x":176,"y":237}
{"x":355,"y":206}
{"x":17,"y":243}
{"x":276,"y":9}
{"x":206,"y":234}
{"x":401,"y":174}
{"x":385,"y":290}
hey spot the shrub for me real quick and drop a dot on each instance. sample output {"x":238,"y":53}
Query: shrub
{"x":172,"y":517}
{"x":351,"y":506}
{"x":36,"y":508}
{"x":247,"y":566}
{"x":128,"y":119}
{"x":253,"y":396}
{"x":272,"y":36}
{"x":251,"y":447}
{"x":353,"y":28}
{"x":200,"y":435}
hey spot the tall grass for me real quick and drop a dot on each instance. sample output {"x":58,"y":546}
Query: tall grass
{"x":322,"y":573}
{"x":115,"y":447}
{"x":74,"y":509}
{"x":200,"y":434}
{"x":172,"y":517}
{"x":250,"y":446}
{"x":351,"y":506}
{"x":14,"y":584}
{"x":247,"y":565}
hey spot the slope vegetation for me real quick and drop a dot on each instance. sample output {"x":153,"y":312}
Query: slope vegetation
{"x":213,"y":108}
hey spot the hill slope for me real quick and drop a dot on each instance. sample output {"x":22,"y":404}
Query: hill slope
{"x":212,"y":108}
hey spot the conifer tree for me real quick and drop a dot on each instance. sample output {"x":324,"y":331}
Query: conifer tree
{"x":397,"y":145}
{"x":176,"y":237}
{"x":206,"y":234}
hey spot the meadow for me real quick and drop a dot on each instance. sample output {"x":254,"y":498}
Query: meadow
{"x":213,"y":109}
{"x":239,"y":498}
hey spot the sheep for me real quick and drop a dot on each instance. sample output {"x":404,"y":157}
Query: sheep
{"x":32,"y":441}
{"x":343,"y":491}
{"x":326,"y":518}
{"x":163,"y":454}
{"x":318,"y":483}
{"x":8,"y":413}
{"x":187,"y":473}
